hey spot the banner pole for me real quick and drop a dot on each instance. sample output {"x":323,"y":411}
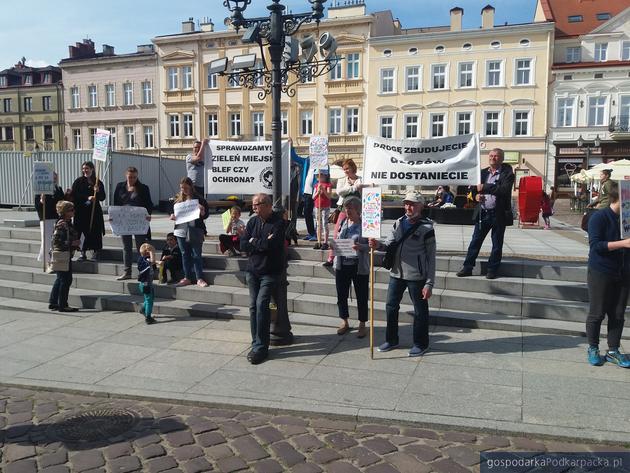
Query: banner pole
{"x":94,"y":201}
{"x":372,"y":303}
{"x":42,"y":199}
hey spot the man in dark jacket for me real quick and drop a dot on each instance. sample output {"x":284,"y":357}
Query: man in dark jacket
{"x":493,"y":213}
{"x":608,"y":281}
{"x":263,"y":240}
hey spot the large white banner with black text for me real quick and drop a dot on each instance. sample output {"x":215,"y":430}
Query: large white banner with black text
{"x":245,"y":167}
{"x":432,"y":162}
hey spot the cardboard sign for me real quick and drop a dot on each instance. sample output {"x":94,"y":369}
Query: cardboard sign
{"x":101,"y":145}
{"x":128,"y":220}
{"x":371,"y":199}
{"x":186,"y":211}
{"x":343,"y":247}
{"x":318,"y":152}
{"x":43,"y":178}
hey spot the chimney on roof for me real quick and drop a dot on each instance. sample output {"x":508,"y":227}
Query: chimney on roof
{"x":108,"y":50}
{"x":457,"y":14}
{"x":145,"y":48}
{"x":206,"y":24}
{"x":82,"y":50}
{"x":188,"y":26}
{"x":487,"y":17}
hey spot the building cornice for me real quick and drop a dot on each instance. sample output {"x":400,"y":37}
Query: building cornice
{"x":107,"y":60}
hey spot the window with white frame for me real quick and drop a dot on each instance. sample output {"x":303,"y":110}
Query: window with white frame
{"x":46,"y":103}
{"x":465,"y":74}
{"x":92,"y":132}
{"x":596,"y":111}
{"x":6,"y":104}
{"x":259,"y":79}
{"x":352,"y":120}
{"x":128,"y":93}
{"x":306,"y":122}
{"x":130,"y":137}
{"x":625,"y":50}
{"x":92,"y":96}
{"x":3,"y":81}
{"x":28,"y":104}
{"x":387,"y":126}
{"x":412,"y":78}
{"x":284,"y":122}
{"x":522,"y":126}
{"x":76,"y":138}
{"x":28,"y":133}
{"x":523,"y":72}
{"x":6,"y":133}
{"x":464,"y":123}
{"x":148,"y":136}
{"x":335,"y":72}
{"x":624,"y":112}
{"x":334,"y":121}
{"x":173,"y":78}
{"x":112,"y":137}
{"x":147,"y":92}
{"x":258,"y":125}
{"x":235,"y":124}
{"x":412,"y":126}
{"x":492,"y":123}
{"x":212,"y":80}
{"x":28,"y":79}
{"x":110,"y":95}
{"x":173,"y":121}
{"x":438,"y":124}
{"x":74,"y":98}
{"x":233,"y":79}
{"x":187,"y":77}
{"x":573,"y":54}
{"x":601,"y":52}
{"x":187,"y":122}
{"x":48,"y":133}
{"x":494,"y":73}
{"x":353,"y":65}
{"x":213,"y":124}
{"x":438,"y":76}
{"x":387,"y":80}
{"x":565,"y":111}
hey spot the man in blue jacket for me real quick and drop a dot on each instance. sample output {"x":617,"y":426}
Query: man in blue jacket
{"x":608,"y":281}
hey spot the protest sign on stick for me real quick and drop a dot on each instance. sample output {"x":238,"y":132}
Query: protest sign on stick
{"x":318,"y":151}
{"x":43,"y":177}
{"x":624,"y":195}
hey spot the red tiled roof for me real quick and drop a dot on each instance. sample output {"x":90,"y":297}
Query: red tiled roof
{"x":560,"y":11}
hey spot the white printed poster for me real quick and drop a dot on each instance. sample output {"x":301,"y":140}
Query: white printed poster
{"x":318,"y":152}
{"x":101,"y":145}
{"x":453,"y":160}
{"x":371,"y":198}
{"x":245,"y":167}
{"x":624,"y":195}
{"x":128,"y":220}
{"x":343,"y":247}
{"x":186,"y":211}
{"x":43,"y":178}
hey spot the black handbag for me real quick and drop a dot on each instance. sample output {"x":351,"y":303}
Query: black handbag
{"x":390,"y":253}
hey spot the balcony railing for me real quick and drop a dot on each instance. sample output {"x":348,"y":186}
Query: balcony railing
{"x":619,"y":127}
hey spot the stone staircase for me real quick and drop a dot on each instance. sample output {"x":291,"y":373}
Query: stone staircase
{"x":530,"y":295}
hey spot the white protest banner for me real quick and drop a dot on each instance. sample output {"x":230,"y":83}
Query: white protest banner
{"x":186,"y":211}
{"x":624,"y":195}
{"x":343,"y":247}
{"x":128,"y":220}
{"x":43,"y":178}
{"x":101,"y":145}
{"x":371,"y":198}
{"x":453,"y":160}
{"x":318,"y":152}
{"x":245,"y":167}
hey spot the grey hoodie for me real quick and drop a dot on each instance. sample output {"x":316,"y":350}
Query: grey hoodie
{"x":415,"y":257}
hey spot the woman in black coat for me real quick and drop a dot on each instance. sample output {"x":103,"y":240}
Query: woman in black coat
{"x":84,"y":200}
{"x":133,"y":193}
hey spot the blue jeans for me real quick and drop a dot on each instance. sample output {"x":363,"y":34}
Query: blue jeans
{"x":191,"y":257}
{"x":487,"y":223}
{"x":261,"y":289}
{"x":61,"y":288}
{"x":395,"y":292}
{"x":148,"y":299}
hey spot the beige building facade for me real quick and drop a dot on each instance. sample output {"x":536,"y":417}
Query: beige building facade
{"x":111,"y":91}
{"x":433,"y":82}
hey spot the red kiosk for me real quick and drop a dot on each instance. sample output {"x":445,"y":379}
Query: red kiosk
{"x":529,"y":198}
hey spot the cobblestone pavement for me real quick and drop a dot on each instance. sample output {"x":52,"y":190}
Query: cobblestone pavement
{"x":53,"y":432}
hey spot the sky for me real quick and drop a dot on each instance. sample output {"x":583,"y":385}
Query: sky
{"x":124,"y":24}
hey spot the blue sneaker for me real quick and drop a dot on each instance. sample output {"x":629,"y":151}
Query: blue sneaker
{"x":312,"y":238}
{"x":387,"y":347}
{"x":417,"y":351}
{"x":594,"y":358}
{"x":307,"y":238}
{"x":618,"y":358}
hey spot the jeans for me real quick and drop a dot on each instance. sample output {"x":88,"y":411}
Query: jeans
{"x":191,"y":256}
{"x":308,"y":214}
{"x":343,"y":278}
{"x":487,"y":223}
{"x":395,"y":292}
{"x":61,"y":288}
{"x":261,"y":289}
{"x":128,"y":252}
{"x":608,"y":295}
{"x":148,"y":299}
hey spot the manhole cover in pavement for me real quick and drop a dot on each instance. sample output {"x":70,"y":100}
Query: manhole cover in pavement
{"x":94,"y":425}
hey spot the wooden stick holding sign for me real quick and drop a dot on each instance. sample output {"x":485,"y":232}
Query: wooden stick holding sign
{"x":99,"y":155}
{"x":43,"y":183}
{"x":371,"y":198}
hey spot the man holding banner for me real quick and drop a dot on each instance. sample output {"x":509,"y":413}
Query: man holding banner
{"x":494,"y":213}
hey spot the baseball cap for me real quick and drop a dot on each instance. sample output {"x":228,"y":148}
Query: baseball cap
{"x":413,"y":196}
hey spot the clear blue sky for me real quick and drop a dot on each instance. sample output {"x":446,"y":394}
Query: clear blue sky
{"x":41,"y":30}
